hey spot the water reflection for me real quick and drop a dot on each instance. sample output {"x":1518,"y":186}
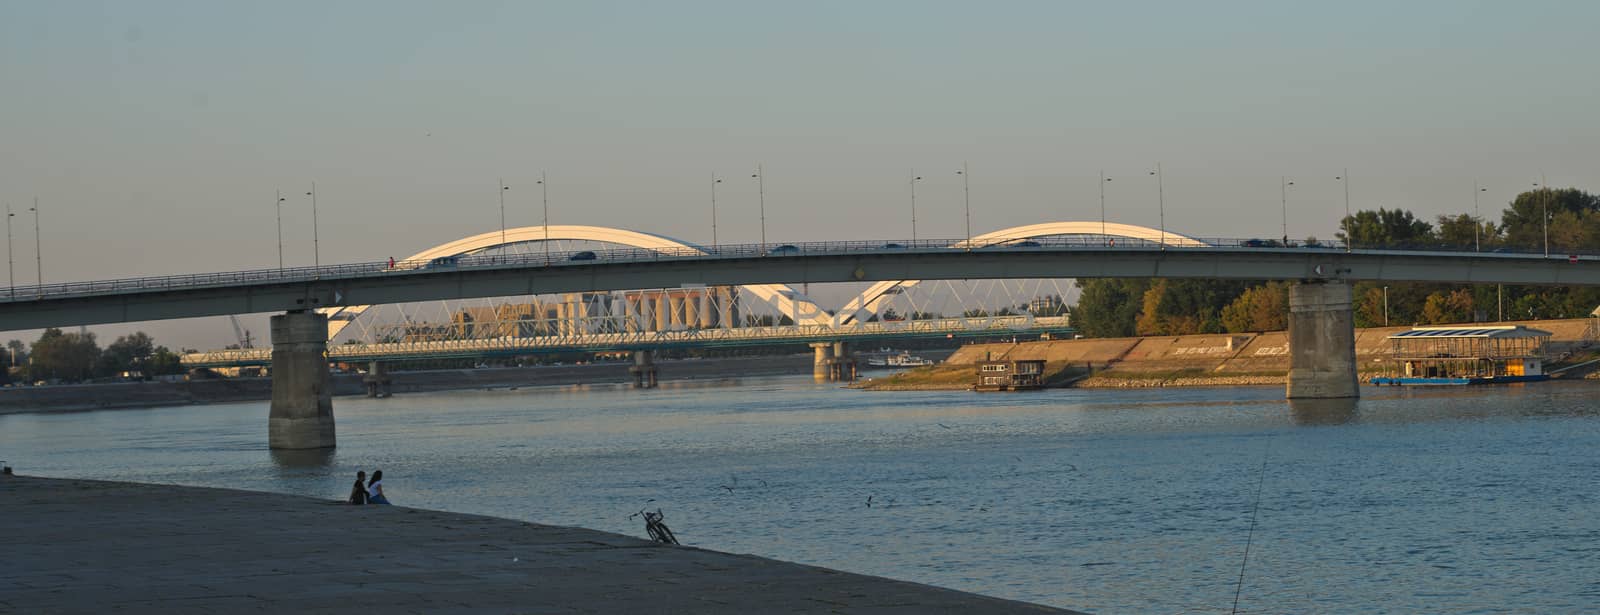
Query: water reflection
{"x":1318,"y":412}
{"x":304,"y":458}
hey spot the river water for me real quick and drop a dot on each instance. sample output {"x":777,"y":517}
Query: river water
{"x":1445,"y":500}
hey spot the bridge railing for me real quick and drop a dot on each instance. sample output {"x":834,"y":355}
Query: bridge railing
{"x":493,"y":260}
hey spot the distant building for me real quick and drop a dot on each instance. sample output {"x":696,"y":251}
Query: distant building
{"x":1047,"y":305}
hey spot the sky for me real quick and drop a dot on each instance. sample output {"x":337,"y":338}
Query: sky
{"x":156,"y":134}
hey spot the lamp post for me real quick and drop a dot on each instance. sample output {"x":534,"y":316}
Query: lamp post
{"x":1477,"y":222}
{"x":714,"y":181}
{"x":1103,"y":180}
{"x":966,"y":200}
{"x":502,"y":195}
{"x":38,"y":248}
{"x":1161,"y":203}
{"x":1283,"y":188}
{"x":544,"y":198}
{"x":1544,"y":211}
{"x":761,"y":194}
{"x":11,"y":263}
{"x":1385,"y":306}
{"x":1345,"y":179}
{"x":316,"y":244}
{"x":914,"y":179}
{"x":278,"y":205}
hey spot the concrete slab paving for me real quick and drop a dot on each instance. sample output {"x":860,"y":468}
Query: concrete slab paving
{"x":78,"y":546}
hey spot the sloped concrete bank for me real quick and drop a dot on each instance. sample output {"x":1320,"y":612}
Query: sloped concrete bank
{"x":78,"y":546}
{"x":1241,"y":359}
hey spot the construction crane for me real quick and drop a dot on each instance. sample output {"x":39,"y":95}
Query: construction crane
{"x":240,"y":332}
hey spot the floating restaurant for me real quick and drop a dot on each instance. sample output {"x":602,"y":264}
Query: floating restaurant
{"x":1466,"y":355}
{"x":1023,"y":375}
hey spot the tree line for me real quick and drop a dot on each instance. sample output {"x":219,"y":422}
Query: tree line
{"x":1123,"y":307}
{"x":77,"y":357}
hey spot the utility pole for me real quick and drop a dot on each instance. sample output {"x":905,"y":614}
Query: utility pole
{"x":1103,"y":180}
{"x":1385,"y":306}
{"x":502,"y":194}
{"x":1477,"y":222}
{"x":316,"y":243}
{"x":761,"y":193}
{"x":11,"y":262}
{"x":279,"y":206}
{"x":1544,"y":211}
{"x":544,"y":195}
{"x":714,"y":181}
{"x":1283,"y":187}
{"x":966,"y":200}
{"x":1161,"y":202}
{"x":914,"y":180}
{"x":1345,"y":179}
{"x":38,"y":248}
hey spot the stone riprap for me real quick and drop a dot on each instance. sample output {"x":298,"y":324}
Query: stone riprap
{"x":79,"y":546}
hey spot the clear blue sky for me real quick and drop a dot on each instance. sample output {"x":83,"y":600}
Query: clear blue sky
{"x":155,"y":133}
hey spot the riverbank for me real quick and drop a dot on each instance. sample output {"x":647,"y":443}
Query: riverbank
{"x":82,"y":397}
{"x":79,"y":546}
{"x":1243,"y":359}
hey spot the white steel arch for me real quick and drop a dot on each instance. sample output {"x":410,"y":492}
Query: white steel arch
{"x":870,"y":301}
{"x":788,"y":300}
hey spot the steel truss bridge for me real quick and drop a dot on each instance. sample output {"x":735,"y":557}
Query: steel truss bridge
{"x":654,"y":340}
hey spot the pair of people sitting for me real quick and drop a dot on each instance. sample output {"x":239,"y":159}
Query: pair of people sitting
{"x":368,"y":493}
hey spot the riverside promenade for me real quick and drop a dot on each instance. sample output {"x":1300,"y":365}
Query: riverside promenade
{"x":80,"y":546}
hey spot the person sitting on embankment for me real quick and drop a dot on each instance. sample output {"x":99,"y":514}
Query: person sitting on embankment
{"x":358,"y":493}
{"x":375,"y":489}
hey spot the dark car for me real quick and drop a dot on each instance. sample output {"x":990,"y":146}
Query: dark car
{"x":893,"y":246}
{"x":1254,"y":243}
{"x":783,"y":249}
{"x":585,"y":255}
{"x":443,"y":262}
{"x":1026,"y":244}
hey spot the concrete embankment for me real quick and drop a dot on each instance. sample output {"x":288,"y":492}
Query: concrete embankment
{"x":1242,"y":359}
{"x":77,"y":546}
{"x":147,"y":394}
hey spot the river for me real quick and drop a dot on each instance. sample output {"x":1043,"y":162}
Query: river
{"x":1141,"y":501}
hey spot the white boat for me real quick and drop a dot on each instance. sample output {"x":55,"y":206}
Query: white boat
{"x":904,"y":359}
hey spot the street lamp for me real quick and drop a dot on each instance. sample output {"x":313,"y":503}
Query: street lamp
{"x":914,"y":179}
{"x":1345,"y":179}
{"x":38,"y":248}
{"x":1161,"y":202}
{"x":316,"y":249}
{"x":278,"y":205}
{"x":1103,"y":180}
{"x":966,"y":200}
{"x":544,"y":196}
{"x":502,"y":194}
{"x":11,"y":263}
{"x":1544,"y":210}
{"x":761,"y":194}
{"x":1477,"y":222}
{"x":1283,"y":187}
{"x":714,"y":181}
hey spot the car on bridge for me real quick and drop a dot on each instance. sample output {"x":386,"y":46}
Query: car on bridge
{"x":892,"y":246}
{"x":783,"y":250}
{"x":443,"y":262}
{"x":585,"y":255}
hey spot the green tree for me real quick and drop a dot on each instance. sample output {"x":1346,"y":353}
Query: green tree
{"x":1261,"y":308}
{"x":1109,"y":307}
{"x":126,"y":353}
{"x":1464,"y":232}
{"x":1384,"y":228}
{"x":1523,"y":222}
{"x":1441,"y":308}
{"x":67,"y":356}
{"x":164,"y":362}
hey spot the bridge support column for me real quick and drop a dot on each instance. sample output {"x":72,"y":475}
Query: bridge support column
{"x":844,"y":363}
{"x":643,"y":369}
{"x":1322,"y":341}
{"x":822,"y":361}
{"x":302,"y":392}
{"x":377,"y":380}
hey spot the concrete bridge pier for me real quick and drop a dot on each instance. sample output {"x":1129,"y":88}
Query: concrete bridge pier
{"x":822,"y":361}
{"x":1322,"y":341}
{"x":643,"y":369}
{"x":844,"y":362}
{"x":377,"y":380}
{"x":302,"y":392}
